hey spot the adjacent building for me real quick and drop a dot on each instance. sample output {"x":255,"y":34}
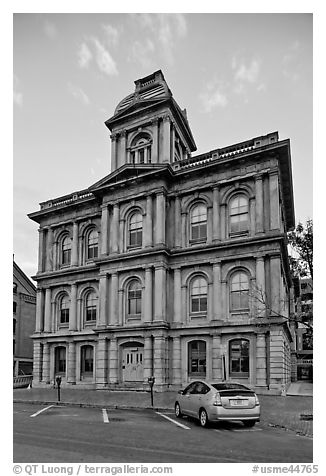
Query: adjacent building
{"x":304,"y":331}
{"x":174,"y":265}
{"x":24,"y":310}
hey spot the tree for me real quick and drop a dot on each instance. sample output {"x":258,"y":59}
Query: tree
{"x":301,"y":244}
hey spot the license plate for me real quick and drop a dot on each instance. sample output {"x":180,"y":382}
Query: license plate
{"x":238,"y":403}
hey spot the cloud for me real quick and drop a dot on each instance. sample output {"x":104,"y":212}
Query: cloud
{"x":141,"y":51}
{"x":246,"y":72}
{"x":166,"y":28}
{"x":17,"y":95}
{"x":290,"y":61}
{"x":78,"y":94}
{"x":213,"y":97}
{"x":84,"y":56}
{"x":112,"y":34}
{"x":50,"y":30}
{"x":104,"y":60}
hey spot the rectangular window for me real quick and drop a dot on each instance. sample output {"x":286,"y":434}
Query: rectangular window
{"x":91,"y":313}
{"x":239,"y":358}
{"x":64,"y":316}
{"x":66,"y":256}
{"x":134,"y":302}
{"x":199,"y":304}
{"x":135,"y":238}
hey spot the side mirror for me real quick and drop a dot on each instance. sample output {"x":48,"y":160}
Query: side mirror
{"x":180,"y":391}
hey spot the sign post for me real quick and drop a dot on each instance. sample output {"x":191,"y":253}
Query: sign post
{"x":151,"y":381}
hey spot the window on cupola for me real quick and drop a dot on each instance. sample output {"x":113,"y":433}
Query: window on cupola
{"x":140,"y":151}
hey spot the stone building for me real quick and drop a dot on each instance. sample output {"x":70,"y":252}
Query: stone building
{"x":173,"y":265}
{"x":24,"y":309}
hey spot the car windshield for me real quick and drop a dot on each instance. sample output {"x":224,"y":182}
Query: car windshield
{"x":229,"y":386}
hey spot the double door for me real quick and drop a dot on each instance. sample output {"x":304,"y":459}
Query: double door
{"x":132,"y":364}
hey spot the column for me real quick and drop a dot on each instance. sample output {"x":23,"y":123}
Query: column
{"x":103,"y":311}
{"x":172,"y":141}
{"x":113,"y":152}
{"x":217,"y":373}
{"x":224,"y":308}
{"x":49,"y":250}
{"x":252,"y":212}
{"x":123,"y":148}
{"x":217,"y":292}
{"x":114,"y":311}
{"x":159,"y":359}
{"x":223,"y":209}
{"x":101,"y":363}
{"x":71,"y":364}
{"x":155,"y":141}
{"x":160,"y":294}
{"x":39,"y":322}
{"x":183,"y":229}
{"x":176,"y":360}
{"x":177,"y":311}
{"x":274,"y":201}
{"x":73,"y":308}
{"x":148,"y":354}
{"x":40,"y":250}
{"x":104,"y":229}
{"x":148,"y":238}
{"x":113,"y":361}
{"x":37,"y":362}
{"x":216,"y":214}
{"x":275,"y":267}
{"x":74,"y":251}
{"x":148,"y":298}
{"x":115,"y":228}
{"x":46,"y":364}
{"x":166,"y":139}
{"x":261,"y":360}
{"x":259,"y":204}
{"x":121,"y":245}
{"x":177,"y":222}
{"x":160,"y":218}
{"x":260,"y":285}
{"x":47,"y":310}
{"x":209,"y":225}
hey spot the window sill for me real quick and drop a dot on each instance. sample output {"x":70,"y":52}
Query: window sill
{"x":238,"y":234}
{"x":134,"y":317}
{"x":199,"y":241}
{"x":63,"y":326}
{"x":200,"y":315}
{"x":89,"y":323}
{"x":136,"y":247}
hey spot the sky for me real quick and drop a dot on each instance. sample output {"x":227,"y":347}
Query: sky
{"x":238,"y":75}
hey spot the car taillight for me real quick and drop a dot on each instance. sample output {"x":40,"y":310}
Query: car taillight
{"x":217,"y":400}
{"x":256,"y":401}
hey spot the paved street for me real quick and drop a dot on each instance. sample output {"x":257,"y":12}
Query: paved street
{"x":51,"y":433}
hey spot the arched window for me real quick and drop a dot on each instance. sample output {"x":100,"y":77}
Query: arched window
{"x":90,"y":306}
{"x":92,"y":244}
{"x":239,"y":357}
{"x":239,"y":214}
{"x":140,"y":151}
{"x":135,"y":230}
{"x":60,"y":360}
{"x":198,"y":223}
{"x":134,"y":297}
{"x":197,"y":358}
{"x":198,"y":295}
{"x":66,"y":250}
{"x":239,"y":291}
{"x":64,"y":305}
{"x":87,"y":360}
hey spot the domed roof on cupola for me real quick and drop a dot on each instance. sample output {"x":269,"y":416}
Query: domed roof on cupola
{"x":150,"y":87}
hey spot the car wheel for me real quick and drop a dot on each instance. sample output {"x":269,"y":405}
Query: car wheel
{"x":249,"y":423}
{"x":177,"y":410}
{"x":203,"y":418}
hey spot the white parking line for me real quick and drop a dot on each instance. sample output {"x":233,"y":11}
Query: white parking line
{"x":173,"y":421}
{"x":40,"y":411}
{"x":105,"y":416}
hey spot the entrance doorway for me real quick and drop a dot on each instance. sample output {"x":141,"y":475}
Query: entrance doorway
{"x":132,"y":364}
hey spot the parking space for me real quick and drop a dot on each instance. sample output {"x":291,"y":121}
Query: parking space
{"x":72,"y":433}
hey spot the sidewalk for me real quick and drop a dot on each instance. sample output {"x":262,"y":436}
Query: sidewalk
{"x":276,"y":411}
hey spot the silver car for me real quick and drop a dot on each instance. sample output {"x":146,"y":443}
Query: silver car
{"x":218,"y":401}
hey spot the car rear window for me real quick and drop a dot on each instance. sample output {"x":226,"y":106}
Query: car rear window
{"x":229,"y":386}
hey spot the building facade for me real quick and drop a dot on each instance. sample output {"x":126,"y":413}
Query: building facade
{"x":173,"y":265}
{"x":24,"y":311}
{"x":304,"y":331}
